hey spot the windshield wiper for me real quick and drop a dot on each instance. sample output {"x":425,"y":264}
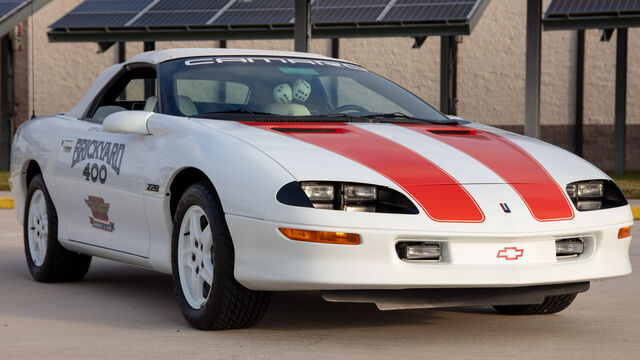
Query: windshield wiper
{"x":393,"y":115}
{"x":240,"y":110}
{"x":336,"y":115}
{"x":399,"y":115}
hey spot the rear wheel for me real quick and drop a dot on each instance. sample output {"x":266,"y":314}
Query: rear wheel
{"x":47,"y":260}
{"x":202,"y":263}
{"x":551,"y":305}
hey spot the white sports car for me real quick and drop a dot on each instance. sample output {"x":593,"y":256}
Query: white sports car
{"x":242,"y":172}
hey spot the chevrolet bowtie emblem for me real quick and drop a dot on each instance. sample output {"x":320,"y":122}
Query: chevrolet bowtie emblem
{"x":510,"y":253}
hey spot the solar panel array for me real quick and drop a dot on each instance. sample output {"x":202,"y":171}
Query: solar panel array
{"x":591,"y":14}
{"x":167,"y":13}
{"x":592,"y":7}
{"x":8,"y":7}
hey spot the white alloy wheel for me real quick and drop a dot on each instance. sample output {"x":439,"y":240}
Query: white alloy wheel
{"x":195,"y":257}
{"x":38,"y":223}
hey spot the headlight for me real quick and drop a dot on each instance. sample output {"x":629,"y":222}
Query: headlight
{"x":346,"y":197}
{"x":319,"y":192}
{"x":353,"y":192}
{"x":595,"y":194}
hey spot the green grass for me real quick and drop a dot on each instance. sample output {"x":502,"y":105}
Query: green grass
{"x":4,"y":181}
{"x":629,"y":183}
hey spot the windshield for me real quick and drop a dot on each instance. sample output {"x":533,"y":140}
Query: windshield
{"x":267,"y":87}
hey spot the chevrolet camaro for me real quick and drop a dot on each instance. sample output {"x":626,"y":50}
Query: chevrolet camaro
{"x":242,"y":172}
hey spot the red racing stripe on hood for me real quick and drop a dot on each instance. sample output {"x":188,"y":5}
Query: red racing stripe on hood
{"x":441,"y":197}
{"x":539,"y":191}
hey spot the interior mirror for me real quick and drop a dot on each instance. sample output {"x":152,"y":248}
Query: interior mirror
{"x":128,"y":122}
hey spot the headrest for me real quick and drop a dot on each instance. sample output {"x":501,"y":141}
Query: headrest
{"x":150,"y":104}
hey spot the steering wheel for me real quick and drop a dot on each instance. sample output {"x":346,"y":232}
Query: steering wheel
{"x":350,"y":107}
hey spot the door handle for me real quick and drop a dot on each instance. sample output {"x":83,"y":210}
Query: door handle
{"x":67,"y":145}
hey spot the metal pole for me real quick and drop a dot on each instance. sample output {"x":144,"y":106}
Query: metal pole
{"x":621,"y":101}
{"x":149,"y":84}
{"x":7,"y":103}
{"x":149,"y":45}
{"x":122,"y":52}
{"x":335,"y":48}
{"x":302,"y":26}
{"x":532,"y":78}
{"x":579,"y":94}
{"x":448,"y":54}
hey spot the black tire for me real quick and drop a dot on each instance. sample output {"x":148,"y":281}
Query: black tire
{"x":229,"y":305}
{"x":551,"y":305}
{"x":59,"y":264}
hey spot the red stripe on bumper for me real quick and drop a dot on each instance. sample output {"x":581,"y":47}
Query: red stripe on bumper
{"x":539,"y":191}
{"x":441,"y":197}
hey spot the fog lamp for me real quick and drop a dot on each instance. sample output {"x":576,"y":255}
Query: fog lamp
{"x":421,"y":251}
{"x":569,"y":247}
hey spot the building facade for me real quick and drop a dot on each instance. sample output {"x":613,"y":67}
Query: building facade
{"x":52,"y":77}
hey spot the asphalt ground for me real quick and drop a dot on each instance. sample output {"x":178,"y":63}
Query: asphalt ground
{"x":120,"y":311}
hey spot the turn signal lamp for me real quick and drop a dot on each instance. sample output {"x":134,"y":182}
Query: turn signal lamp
{"x":624,"y":232}
{"x":326,"y":237}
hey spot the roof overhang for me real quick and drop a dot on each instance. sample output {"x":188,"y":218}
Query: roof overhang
{"x":590,"y":22}
{"x":582,"y":15}
{"x":254,"y":32}
{"x":19,"y":14}
{"x":429,"y":27}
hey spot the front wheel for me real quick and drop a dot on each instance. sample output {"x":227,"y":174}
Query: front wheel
{"x":202,"y":258}
{"x":551,"y":305}
{"x":47,"y":260}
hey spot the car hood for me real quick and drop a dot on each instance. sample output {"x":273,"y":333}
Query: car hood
{"x":433,"y":164}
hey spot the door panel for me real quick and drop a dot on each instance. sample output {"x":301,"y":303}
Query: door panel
{"x":100,"y":180}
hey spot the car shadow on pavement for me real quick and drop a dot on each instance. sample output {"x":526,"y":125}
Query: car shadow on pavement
{"x":292,"y":311}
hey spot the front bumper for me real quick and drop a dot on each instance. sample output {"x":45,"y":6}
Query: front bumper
{"x":266,"y":260}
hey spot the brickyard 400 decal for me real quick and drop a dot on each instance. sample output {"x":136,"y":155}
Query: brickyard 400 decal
{"x":107,"y":152}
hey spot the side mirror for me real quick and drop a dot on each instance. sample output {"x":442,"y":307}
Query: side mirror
{"x":128,"y":122}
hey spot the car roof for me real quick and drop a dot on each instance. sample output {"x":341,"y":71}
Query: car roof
{"x":159,"y":56}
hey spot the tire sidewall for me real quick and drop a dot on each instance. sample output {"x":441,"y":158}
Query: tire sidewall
{"x":39,"y":272}
{"x":200,"y":195}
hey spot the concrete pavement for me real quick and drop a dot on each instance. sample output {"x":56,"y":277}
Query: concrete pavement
{"x":121,"y":311}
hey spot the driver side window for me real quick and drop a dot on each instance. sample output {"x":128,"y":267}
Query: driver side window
{"x":133,"y":89}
